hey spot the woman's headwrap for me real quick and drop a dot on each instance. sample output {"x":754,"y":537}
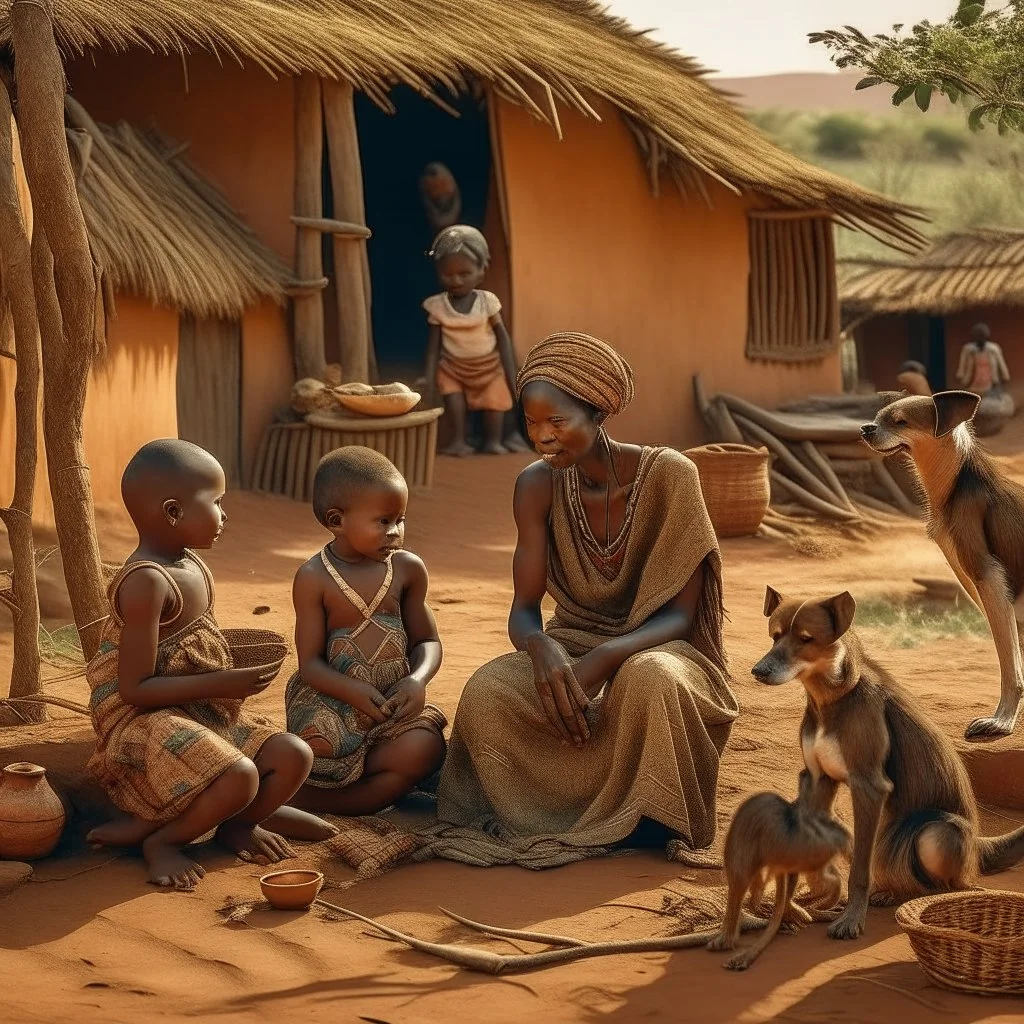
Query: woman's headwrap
{"x":581,"y":366}
{"x":462,"y":238}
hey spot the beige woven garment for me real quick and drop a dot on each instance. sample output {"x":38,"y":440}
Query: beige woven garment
{"x":659,"y":728}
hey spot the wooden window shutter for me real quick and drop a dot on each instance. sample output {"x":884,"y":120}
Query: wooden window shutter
{"x":793,"y":313}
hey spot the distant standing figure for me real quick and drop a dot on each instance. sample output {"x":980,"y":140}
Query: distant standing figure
{"x":442,"y":200}
{"x":913,"y":379}
{"x":470,"y":362}
{"x":982,"y":367}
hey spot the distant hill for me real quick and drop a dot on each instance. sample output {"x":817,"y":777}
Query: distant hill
{"x":811,"y":91}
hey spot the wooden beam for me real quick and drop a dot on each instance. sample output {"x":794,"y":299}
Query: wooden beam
{"x":350,"y":267}
{"x":308,"y":303}
{"x":326,"y":226}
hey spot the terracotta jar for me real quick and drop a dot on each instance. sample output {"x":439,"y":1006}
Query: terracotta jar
{"x":31,"y":815}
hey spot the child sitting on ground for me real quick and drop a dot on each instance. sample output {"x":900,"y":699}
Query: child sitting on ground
{"x":470,"y":361}
{"x":173,"y":748}
{"x":367,"y":644}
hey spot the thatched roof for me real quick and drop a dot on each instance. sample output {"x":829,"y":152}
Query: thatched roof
{"x":161,"y":231}
{"x":532,"y":52}
{"x":959,"y":271}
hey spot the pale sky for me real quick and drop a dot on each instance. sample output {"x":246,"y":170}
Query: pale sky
{"x":762,"y":37}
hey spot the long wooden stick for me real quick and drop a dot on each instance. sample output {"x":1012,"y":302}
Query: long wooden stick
{"x":824,"y":467}
{"x":489,"y":962}
{"x":885,"y":478}
{"x":825,"y":508}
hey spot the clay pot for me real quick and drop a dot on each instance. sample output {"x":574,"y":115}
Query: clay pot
{"x":31,"y":815}
{"x":291,"y":890}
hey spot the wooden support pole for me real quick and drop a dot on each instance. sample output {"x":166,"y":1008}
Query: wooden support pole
{"x":308,"y":306}
{"x":68,"y":291}
{"x":16,"y":265}
{"x":326,"y":226}
{"x":350,"y":274}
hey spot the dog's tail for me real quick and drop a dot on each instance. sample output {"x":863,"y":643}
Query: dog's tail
{"x":1001,"y":852}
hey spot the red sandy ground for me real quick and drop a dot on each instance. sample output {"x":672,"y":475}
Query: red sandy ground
{"x":103,"y":946}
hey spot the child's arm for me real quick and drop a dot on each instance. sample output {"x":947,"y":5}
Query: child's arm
{"x":506,"y":351}
{"x":141,"y":599}
{"x":423,"y":644}
{"x":433,"y":357}
{"x":311,"y":643}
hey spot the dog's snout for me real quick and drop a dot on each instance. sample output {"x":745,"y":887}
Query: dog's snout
{"x":762,"y":670}
{"x":869,"y":429}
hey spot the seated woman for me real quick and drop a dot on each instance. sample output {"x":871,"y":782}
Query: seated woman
{"x":618,"y":710}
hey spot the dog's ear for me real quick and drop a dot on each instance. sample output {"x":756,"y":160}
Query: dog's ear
{"x":888,"y":397}
{"x":953,"y":408}
{"x":842,"y":608}
{"x":772,"y":600}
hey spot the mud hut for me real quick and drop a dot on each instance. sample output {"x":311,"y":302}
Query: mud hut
{"x":190,"y":292}
{"x":621,"y":193}
{"x":923,"y":308}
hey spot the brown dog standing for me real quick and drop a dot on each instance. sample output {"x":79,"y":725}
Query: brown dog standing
{"x":975,"y":515}
{"x":915,"y":820}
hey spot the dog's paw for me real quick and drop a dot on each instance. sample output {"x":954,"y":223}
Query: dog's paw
{"x":848,"y":926}
{"x":884,"y":898}
{"x":983,"y":729}
{"x":740,"y":962}
{"x":720,"y":943}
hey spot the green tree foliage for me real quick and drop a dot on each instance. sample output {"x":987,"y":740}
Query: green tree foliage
{"x":841,"y":135}
{"x":975,"y":56}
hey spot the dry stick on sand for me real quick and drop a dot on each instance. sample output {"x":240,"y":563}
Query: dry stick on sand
{"x":16,"y":266}
{"x":489,"y":962}
{"x":67,"y":291}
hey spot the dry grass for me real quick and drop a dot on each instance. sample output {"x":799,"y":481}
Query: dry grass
{"x":162,"y":232}
{"x":537,"y":53}
{"x":906,"y":623}
{"x":974,"y":268}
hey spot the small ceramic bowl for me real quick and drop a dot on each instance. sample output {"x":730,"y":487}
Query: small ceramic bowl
{"x":292,"y":889}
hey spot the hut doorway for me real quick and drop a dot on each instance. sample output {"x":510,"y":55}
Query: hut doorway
{"x":210,"y":390}
{"x":926,"y":337}
{"x":395,"y":149}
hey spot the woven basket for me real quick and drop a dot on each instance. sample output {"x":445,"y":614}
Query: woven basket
{"x":256,"y":648}
{"x":379,"y":405}
{"x":971,"y":941}
{"x":734,"y":479}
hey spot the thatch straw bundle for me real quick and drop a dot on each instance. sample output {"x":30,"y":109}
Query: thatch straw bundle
{"x":974,"y":268}
{"x":162,"y":232}
{"x":537,"y":53}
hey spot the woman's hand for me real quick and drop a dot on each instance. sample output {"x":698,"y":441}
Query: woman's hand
{"x":560,"y":694}
{"x":367,"y":699}
{"x":590,"y":674}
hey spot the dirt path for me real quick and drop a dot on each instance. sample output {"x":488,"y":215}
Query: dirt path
{"x":102,"y":946}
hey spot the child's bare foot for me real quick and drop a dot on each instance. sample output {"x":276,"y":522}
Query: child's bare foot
{"x":494,"y":448}
{"x":296,"y":824}
{"x":169,"y":867}
{"x":457,"y":449}
{"x":253,"y":844}
{"x":516,"y":443}
{"x":126,"y":831}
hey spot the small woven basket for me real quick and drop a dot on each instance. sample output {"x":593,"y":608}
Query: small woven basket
{"x":256,"y":648}
{"x":734,"y":479}
{"x":971,"y":941}
{"x":379,"y":405}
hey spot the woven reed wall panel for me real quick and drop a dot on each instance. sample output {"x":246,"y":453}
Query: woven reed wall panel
{"x":793,"y":308}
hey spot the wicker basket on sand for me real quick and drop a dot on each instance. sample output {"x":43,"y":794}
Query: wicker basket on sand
{"x":734,"y":479}
{"x":971,"y":941}
{"x":256,"y":648}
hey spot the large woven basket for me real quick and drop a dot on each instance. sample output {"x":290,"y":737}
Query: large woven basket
{"x":734,"y":479}
{"x":256,"y":648}
{"x":972,"y":941}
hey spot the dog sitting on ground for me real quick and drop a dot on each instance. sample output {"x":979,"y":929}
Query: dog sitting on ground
{"x":770,"y":837}
{"x":975,"y":515}
{"x":915,"y":819}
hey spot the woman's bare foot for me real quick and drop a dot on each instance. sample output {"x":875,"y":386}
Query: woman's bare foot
{"x":169,"y":867}
{"x":516,"y":443}
{"x":126,"y":831}
{"x":253,"y":844}
{"x":457,"y":449}
{"x":494,"y":448}
{"x":296,"y":824}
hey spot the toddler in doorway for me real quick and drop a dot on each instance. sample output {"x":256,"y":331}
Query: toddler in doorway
{"x":470,"y":361}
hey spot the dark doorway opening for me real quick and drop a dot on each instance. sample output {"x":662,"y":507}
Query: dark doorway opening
{"x":395,"y":149}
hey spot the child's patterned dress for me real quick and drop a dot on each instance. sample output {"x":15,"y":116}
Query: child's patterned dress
{"x":155,"y":763}
{"x":381,"y":663}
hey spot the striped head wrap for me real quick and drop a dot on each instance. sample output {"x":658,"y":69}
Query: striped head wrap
{"x":581,"y":366}
{"x":462,"y":238}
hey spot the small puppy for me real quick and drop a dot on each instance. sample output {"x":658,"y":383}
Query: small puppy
{"x":975,"y":515}
{"x":771,"y":837}
{"x":915,"y":820}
